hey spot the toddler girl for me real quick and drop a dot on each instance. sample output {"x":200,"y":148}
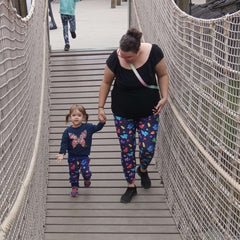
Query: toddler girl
{"x":77,"y":140}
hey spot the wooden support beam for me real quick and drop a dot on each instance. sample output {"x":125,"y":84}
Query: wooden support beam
{"x":113,"y":3}
{"x":118,"y":2}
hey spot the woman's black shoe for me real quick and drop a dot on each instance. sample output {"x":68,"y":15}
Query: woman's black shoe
{"x":127,"y":196}
{"x":145,"y":180}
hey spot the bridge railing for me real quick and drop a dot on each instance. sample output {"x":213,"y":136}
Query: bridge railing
{"x":23,"y":121}
{"x":199,"y":139}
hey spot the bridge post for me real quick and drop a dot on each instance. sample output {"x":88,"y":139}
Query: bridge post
{"x":113,"y":3}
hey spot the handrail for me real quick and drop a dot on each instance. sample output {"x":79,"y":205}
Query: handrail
{"x":9,"y":220}
{"x":210,"y":159}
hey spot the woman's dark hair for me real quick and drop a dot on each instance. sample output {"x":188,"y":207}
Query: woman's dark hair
{"x":130,"y":42}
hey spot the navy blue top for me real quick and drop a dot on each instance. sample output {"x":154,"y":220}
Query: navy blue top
{"x":78,"y":141}
{"x":130,"y":99}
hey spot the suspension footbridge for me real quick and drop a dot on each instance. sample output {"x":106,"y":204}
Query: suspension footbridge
{"x":195,"y":172}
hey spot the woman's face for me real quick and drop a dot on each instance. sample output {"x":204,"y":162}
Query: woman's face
{"x":129,"y":57}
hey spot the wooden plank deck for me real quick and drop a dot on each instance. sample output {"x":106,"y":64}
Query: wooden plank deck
{"x":96,"y":213}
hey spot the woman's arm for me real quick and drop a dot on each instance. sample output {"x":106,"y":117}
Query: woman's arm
{"x":103,"y":93}
{"x":163,"y":80}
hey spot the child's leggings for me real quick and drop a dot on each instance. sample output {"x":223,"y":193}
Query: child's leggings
{"x":72,"y":24}
{"x":77,"y":164}
{"x":147,"y":131}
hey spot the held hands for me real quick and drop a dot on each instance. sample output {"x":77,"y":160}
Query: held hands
{"x":101,"y":115}
{"x":59,"y":157}
{"x":159,"y":106}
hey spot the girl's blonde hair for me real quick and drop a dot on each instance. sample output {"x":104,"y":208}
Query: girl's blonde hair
{"x":80,"y":108}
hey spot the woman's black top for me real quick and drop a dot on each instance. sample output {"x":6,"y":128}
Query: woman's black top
{"x":130,"y":99}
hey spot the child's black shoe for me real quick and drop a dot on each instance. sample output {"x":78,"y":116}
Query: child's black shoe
{"x":73,"y":34}
{"x":67,"y":47}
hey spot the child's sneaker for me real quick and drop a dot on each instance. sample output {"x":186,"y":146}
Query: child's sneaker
{"x":87,"y":183}
{"x":74,"y":192}
{"x":73,"y":34}
{"x":67,"y":47}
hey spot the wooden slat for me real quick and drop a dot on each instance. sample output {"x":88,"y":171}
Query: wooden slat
{"x":74,"y":89}
{"x":111,"y":148}
{"x":110,"y":221}
{"x":70,"y":101}
{"x":79,"y":83}
{"x":95,"y":142}
{"x":76,"y":79}
{"x":90,"y":108}
{"x":106,"y":155}
{"x":92,"y":54}
{"x":96,"y":213}
{"x":100,"y":169}
{"x":104,"y":198}
{"x":112,"y":236}
{"x":96,"y":176}
{"x":77,"y":62}
{"x":66,"y":69}
{"x":114,"y":191}
{"x":97,"y":163}
{"x":91,"y":103}
{"x":110,"y":229}
{"x":109,"y":213}
{"x":106,"y":183}
{"x":105,"y":206}
{"x":62,"y":124}
{"x":78,"y":73}
{"x":93,"y":162}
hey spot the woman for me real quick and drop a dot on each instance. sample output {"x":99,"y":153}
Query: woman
{"x":136,"y":102}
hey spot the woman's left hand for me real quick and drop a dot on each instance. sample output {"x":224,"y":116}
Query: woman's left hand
{"x":157,"y":109}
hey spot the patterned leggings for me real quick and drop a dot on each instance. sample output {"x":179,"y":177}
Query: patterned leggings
{"x":77,"y":164}
{"x":147,"y":131}
{"x":72,"y":23}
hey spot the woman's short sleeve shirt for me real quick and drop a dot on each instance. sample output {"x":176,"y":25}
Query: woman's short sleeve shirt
{"x":130,"y":99}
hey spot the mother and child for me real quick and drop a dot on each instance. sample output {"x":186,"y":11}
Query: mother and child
{"x":139,"y":71}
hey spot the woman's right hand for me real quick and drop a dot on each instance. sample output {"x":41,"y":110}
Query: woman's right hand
{"x":101,"y":115}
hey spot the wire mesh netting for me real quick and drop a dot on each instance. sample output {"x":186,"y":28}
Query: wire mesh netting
{"x":199,"y":138}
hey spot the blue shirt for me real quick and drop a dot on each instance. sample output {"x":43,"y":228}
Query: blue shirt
{"x":67,"y":7}
{"x":78,"y":141}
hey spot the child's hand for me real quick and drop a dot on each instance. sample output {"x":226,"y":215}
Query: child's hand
{"x":101,"y":116}
{"x":59,"y":157}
